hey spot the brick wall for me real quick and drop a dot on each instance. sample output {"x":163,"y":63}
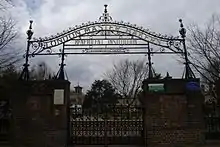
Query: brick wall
{"x":35,"y":119}
{"x":175,"y":136}
{"x":173,"y":117}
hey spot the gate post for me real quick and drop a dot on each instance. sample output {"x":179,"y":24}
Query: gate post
{"x":173,"y":112}
{"x":40,"y":113}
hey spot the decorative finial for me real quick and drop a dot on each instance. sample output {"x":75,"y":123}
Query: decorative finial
{"x":105,"y":16}
{"x":31,"y":22}
{"x":30,"y":32}
{"x":105,"y":11}
{"x":168,"y":76}
{"x":182,"y":30}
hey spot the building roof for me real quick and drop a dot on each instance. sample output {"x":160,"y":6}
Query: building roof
{"x":78,"y":87}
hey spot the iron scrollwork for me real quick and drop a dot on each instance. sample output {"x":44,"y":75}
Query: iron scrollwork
{"x":162,"y":49}
{"x":174,"y":44}
{"x":38,"y":47}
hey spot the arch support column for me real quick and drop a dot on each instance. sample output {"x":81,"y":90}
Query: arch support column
{"x":173,"y":113}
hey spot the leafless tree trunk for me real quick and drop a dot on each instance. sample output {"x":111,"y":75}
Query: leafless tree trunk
{"x":127,"y":77}
{"x":204,"y":45}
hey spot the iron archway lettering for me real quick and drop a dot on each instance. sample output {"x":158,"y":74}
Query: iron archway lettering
{"x":119,"y":29}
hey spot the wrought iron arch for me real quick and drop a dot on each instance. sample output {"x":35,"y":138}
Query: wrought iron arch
{"x":106,"y":29}
{"x":120,"y":28}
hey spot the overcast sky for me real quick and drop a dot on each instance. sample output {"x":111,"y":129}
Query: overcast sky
{"x":54,"y":16}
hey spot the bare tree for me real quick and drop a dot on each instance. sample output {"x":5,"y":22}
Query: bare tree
{"x":127,"y":77}
{"x":8,"y":54}
{"x":41,"y":71}
{"x":204,"y":45}
{"x":8,"y":34}
{"x":5,"y":3}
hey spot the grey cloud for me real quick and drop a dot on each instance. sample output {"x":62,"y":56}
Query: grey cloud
{"x":79,"y":73}
{"x":33,"y":5}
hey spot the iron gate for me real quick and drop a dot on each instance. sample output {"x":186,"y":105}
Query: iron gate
{"x":112,"y":125}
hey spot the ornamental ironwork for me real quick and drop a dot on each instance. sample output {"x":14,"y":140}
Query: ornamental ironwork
{"x":108,"y":125}
{"x":107,"y":36}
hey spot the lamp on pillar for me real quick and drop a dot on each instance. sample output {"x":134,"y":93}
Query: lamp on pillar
{"x":188,"y":71}
{"x":25,"y":73}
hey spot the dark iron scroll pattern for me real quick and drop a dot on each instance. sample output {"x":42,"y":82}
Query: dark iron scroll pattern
{"x":113,"y":125}
{"x":38,"y":48}
{"x":175,"y":46}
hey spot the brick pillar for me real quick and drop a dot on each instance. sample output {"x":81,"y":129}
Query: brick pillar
{"x":38,"y":119}
{"x":173,"y":116}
